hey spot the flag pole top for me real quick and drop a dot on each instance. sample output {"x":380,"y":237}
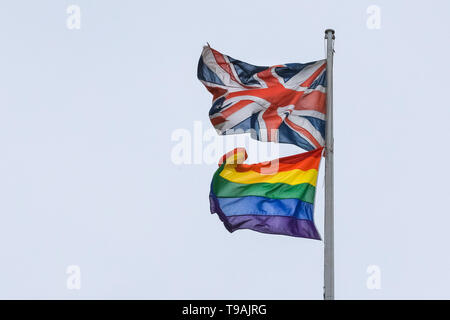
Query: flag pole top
{"x":328,"y":31}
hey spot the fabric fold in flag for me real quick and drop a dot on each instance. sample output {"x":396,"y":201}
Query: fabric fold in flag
{"x":274,"y":197}
{"x":283,"y":103}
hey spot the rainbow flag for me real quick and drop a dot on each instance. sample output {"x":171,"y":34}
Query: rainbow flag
{"x":271,"y":197}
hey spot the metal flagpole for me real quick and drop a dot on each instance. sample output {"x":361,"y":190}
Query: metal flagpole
{"x":328,"y":289}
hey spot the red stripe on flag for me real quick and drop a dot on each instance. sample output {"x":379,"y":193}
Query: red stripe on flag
{"x":314,"y":100}
{"x":268,"y":78}
{"x":304,"y":132}
{"x":223,"y":64}
{"x":236,"y":107}
{"x":217,"y":120}
{"x":216,"y":91}
{"x":313,"y":77}
{"x":300,"y":161}
{"x":272,"y":120}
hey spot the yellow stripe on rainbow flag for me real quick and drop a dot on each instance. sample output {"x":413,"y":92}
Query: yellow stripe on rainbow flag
{"x":291,"y":177}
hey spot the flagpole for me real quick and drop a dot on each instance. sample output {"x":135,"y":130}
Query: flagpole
{"x":328,"y":289}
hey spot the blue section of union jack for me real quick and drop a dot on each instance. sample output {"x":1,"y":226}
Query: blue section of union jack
{"x":283,"y":103}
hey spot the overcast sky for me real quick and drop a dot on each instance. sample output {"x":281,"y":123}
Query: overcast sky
{"x":86,"y":173}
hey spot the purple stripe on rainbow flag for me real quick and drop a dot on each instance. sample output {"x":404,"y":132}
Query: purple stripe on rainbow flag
{"x":284,"y":225}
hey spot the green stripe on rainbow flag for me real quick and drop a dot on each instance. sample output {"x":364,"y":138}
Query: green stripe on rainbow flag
{"x":228,"y":189}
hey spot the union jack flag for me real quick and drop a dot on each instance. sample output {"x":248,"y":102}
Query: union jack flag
{"x":283,"y":103}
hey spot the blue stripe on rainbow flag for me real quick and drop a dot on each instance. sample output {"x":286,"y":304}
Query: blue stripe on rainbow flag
{"x":253,"y":205}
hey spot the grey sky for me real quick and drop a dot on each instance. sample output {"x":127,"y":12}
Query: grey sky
{"x":86,"y":176}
